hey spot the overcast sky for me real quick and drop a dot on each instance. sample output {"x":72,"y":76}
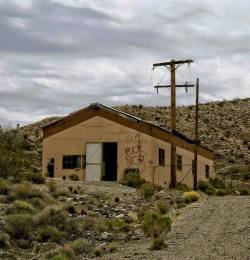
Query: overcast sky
{"x":61,"y":55}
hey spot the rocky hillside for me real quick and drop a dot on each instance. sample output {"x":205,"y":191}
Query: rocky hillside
{"x":224,"y":128}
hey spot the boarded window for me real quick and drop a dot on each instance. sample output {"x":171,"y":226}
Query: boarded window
{"x":179,"y":162}
{"x":71,"y":161}
{"x":207,"y":171}
{"x":161,"y":157}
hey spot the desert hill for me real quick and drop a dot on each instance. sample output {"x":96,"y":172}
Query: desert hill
{"x":224,"y":127}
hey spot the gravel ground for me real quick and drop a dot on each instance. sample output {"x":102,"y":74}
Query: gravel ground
{"x":216,"y":228}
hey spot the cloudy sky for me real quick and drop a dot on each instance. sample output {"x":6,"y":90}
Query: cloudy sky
{"x":61,"y":55}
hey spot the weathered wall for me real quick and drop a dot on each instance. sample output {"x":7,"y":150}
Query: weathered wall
{"x":72,"y":141}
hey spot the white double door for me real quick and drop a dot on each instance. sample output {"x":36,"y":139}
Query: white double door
{"x":93,"y":162}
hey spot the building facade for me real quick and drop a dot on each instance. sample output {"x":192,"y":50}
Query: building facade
{"x":100,"y":143}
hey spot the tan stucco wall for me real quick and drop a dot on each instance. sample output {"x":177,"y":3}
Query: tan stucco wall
{"x":72,"y":141}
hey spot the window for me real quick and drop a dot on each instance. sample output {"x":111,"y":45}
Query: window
{"x":71,"y":161}
{"x":161,"y":157}
{"x":207,"y":171}
{"x":179,"y":162}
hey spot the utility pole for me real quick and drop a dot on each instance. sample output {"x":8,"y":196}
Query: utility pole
{"x":195,"y":172}
{"x":173,"y":65}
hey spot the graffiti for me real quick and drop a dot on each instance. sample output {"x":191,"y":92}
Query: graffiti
{"x":134,"y":138}
{"x":135,"y":157}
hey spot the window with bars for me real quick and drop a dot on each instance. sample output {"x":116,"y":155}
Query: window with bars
{"x":179,"y":162}
{"x":161,"y":157}
{"x":71,"y":161}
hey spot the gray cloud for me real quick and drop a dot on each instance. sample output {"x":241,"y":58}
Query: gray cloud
{"x":58,"y":56}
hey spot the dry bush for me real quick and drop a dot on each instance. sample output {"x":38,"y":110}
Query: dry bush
{"x":158,"y":244}
{"x":82,"y":246}
{"x":25,"y":191}
{"x":20,"y":226}
{"x":191,"y":196}
{"x":49,"y":233}
{"x":21,"y":207}
{"x":4,"y":240}
{"x":5,"y":187}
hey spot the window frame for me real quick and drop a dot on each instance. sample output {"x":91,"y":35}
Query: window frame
{"x":207,"y":171}
{"x":70,"y":162}
{"x":161,"y":157}
{"x":179,"y":165}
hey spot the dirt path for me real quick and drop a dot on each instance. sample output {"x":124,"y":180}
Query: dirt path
{"x":217,"y":228}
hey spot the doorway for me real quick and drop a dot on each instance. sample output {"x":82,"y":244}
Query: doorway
{"x":110,"y":162}
{"x":51,"y":167}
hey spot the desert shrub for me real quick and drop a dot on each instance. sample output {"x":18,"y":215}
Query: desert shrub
{"x":65,"y":252}
{"x":25,"y":191}
{"x":191,"y":195}
{"x":244,"y":192}
{"x":59,"y":257}
{"x":51,"y":215}
{"x":210,"y":191}
{"x":182,"y":187}
{"x":74,"y":177}
{"x":220,"y":192}
{"x":60,"y":193}
{"x":23,"y":243}
{"x":154,"y":224}
{"x":49,"y":233}
{"x":4,"y":240}
{"x":163,"y":207}
{"x":89,"y":223}
{"x":82,"y":246}
{"x":4,"y":187}
{"x":35,"y":177}
{"x":116,"y":224}
{"x":19,"y":226}
{"x":158,"y":244}
{"x":148,"y":189}
{"x":98,"y":251}
{"x":217,"y":183}
{"x":52,"y":186}
{"x":37,"y":203}
{"x":21,"y":207}
{"x":204,"y":186}
{"x":133,"y":180}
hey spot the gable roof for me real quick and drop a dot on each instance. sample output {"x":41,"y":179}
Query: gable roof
{"x":97,"y":109}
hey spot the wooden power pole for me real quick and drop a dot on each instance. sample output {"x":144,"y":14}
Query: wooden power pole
{"x":195,"y":172}
{"x":173,"y":65}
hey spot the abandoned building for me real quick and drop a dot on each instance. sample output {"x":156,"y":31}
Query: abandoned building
{"x":99,"y":143}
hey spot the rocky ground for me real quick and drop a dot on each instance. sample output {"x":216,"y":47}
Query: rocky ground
{"x":215,"y":228}
{"x":224,"y":128}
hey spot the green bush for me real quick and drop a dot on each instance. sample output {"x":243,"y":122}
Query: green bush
{"x":74,"y":177}
{"x":148,"y":189}
{"x":21,"y":207}
{"x":52,"y":186}
{"x":220,"y":192}
{"x":4,"y":240}
{"x":20,"y":226}
{"x":4,"y":187}
{"x":116,"y":225}
{"x":163,"y":207}
{"x":244,"y":192}
{"x":59,"y":257}
{"x":154,"y":224}
{"x":158,"y":244}
{"x":133,"y":180}
{"x":34,"y":177}
{"x":217,"y":183}
{"x":182,"y":187}
{"x":192,"y":196}
{"x":82,"y":246}
{"x":49,"y":233}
